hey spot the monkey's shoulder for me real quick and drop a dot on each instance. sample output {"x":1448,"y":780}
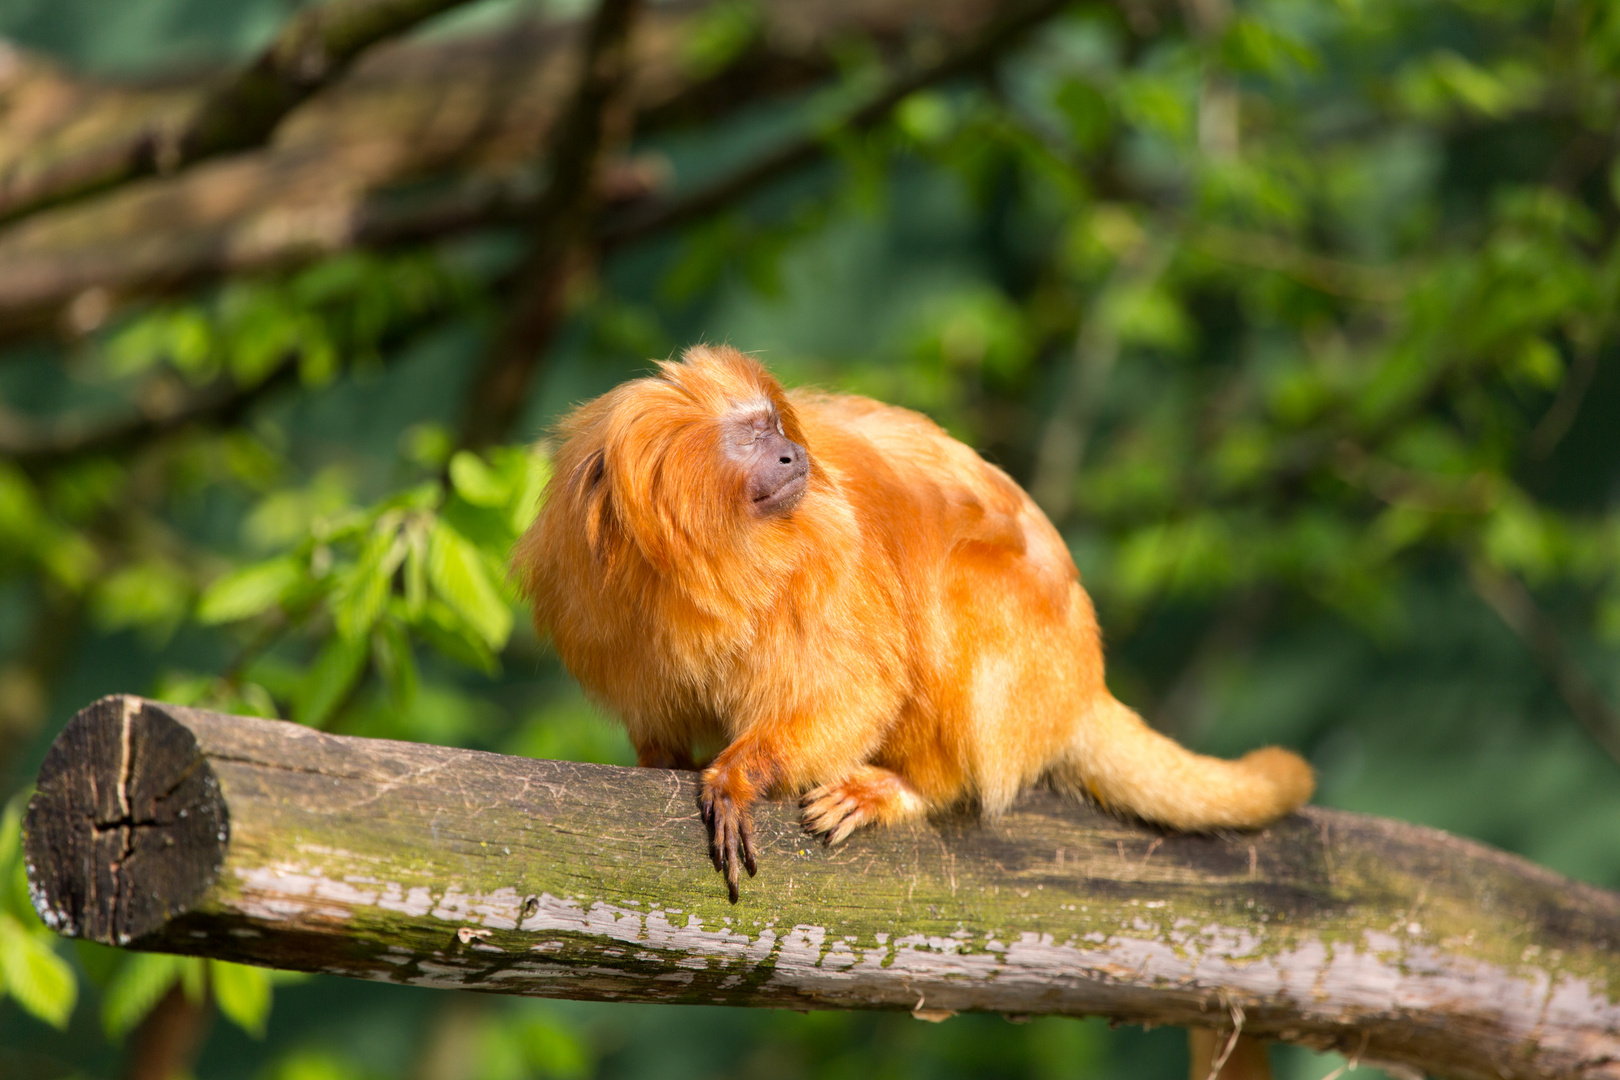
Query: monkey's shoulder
{"x":899,"y":466}
{"x":909,"y":444}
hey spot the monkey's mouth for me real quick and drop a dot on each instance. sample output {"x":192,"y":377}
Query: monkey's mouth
{"x":784,"y":498}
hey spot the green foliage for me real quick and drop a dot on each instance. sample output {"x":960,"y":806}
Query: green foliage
{"x":315,"y":1065}
{"x":724,"y":31}
{"x":31,"y":971}
{"x":344,"y":307}
{"x":364,"y":583}
{"x":568,"y":729}
{"x":141,"y":981}
{"x":249,"y":591}
{"x":39,"y":980}
{"x":242,"y":993}
{"x":533,"y":1043}
{"x":1319,"y":294}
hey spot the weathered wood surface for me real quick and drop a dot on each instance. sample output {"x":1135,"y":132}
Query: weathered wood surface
{"x":166,"y":828}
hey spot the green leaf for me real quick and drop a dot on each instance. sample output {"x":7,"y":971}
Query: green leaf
{"x":15,"y":898}
{"x":1521,"y":537}
{"x":1435,"y":83}
{"x":315,"y":1065}
{"x":552,"y":1049}
{"x":266,"y":330}
{"x":459,"y":577}
{"x":249,"y":591}
{"x":11,"y":828}
{"x":41,"y":981}
{"x":416,"y":557}
{"x":138,"y":985}
{"x":252,"y":699}
{"x":284,"y":517}
{"x":396,"y":663}
{"x":427,"y":444}
{"x":360,"y":594}
{"x":477,"y":482}
{"x":1156,"y":104}
{"x":20,"y":509}
{"x":181,"y":336}
{"x":329,"y":679}
{"x":152,"y":593}
{"x":317,"y":356}
{"x":443,"y":629}
{"x":242,"y":993}
{"x":719,"y":34}
{"x":66,"y":555}
{"x":526,"y":504}
{"x":1258,"y":46}
{"x":98,"y":962}
{"x":1148,"y":314}
{"x":1086,"y":109}
{"x":194,"y":978}
{"x":926,"y":116}
{"x":1539,"y":364}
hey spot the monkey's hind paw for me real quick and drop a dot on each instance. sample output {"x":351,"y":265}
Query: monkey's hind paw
{"x":731,"y":836}
{"x":866,"y":796}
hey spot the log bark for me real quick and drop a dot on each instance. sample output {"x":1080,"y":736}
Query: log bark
{"x":419,"y":137}
{"x":160,"y":827}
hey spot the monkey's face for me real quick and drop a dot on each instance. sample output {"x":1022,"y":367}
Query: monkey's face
{"x":775,"y":469}
{"x":692,"y":467}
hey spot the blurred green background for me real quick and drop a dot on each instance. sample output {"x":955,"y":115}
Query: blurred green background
{"x":1297,"y":315}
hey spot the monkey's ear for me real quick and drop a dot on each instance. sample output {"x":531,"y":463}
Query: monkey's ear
{"x":591,"y":489}
{"x":590,"y":473}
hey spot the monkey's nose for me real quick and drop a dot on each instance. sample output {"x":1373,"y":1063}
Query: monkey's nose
{"x":776,"y":485}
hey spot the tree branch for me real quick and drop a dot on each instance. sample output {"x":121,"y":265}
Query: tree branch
{"x":1514,"y":605}
{"x":313,"y":49}
{"x":1336,"y":277}
{"x":473,"y":110}
{"x":1003,"y":31}
{"x":160,"y":827}
{"x":166,"y":1043}
{"x":34,"y":443}
{"x":562,"y":224}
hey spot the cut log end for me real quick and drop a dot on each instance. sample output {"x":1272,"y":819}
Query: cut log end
{"x":127,"y":827}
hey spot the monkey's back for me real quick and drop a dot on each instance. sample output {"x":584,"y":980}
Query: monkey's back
{"x":1006,"y":657}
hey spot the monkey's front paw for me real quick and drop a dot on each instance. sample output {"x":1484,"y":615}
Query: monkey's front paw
{"x":833,"y":812}
{"x":731,"y":833}
{"x":869,"y":794}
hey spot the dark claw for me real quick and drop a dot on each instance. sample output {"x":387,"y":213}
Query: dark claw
{"x":732,"y":873}
{"x":731,"y":839}
{"x":746,"y":827}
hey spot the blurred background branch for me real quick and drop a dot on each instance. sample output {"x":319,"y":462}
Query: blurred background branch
{"x":239,"y":112}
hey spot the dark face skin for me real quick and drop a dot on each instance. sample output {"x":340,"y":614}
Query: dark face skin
{"x":776,"y":468}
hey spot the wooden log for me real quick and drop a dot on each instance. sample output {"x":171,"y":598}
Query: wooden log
{"x":159,"y":827}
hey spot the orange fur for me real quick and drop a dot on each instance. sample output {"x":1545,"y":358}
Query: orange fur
{"x":910,"y":635}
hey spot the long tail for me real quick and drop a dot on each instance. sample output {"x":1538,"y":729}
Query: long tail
{"x":1131,"y":769}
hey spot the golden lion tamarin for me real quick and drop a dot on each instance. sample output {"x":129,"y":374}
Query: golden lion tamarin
{"x":855,"y":605}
